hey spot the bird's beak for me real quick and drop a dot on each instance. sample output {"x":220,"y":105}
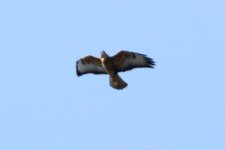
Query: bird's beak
{"x":102,"y":53}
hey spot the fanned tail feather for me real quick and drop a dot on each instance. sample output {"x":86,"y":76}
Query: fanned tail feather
{"x":117,"y":82}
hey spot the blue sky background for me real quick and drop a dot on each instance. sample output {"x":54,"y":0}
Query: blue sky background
{"x":180,"y":105}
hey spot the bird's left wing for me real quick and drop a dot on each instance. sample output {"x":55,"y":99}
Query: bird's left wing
{"x":125,"y":60}
{"x":89,"y":64}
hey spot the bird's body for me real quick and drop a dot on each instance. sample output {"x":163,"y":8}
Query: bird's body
{"x":114,"y":79}
{"x":122,"y":61}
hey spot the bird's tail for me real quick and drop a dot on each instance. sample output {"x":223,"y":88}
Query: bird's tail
{"x":117,"y":82}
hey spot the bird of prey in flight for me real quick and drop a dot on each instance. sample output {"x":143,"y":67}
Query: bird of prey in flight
{"x":122,"y":61}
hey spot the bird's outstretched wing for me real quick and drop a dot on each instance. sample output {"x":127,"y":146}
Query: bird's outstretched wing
{"x":89,"y":64}
{"x":125,"y":60}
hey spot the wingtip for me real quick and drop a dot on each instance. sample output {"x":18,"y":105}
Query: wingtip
{"x":151,"y":62}
{"x":77,"y":69}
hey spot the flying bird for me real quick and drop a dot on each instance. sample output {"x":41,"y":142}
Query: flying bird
{"x":122,"y":61}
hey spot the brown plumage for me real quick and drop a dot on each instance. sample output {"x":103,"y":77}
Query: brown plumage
{"x":122,"y":61}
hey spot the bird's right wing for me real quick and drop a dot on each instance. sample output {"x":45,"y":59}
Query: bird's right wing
{"x":89,"y":64}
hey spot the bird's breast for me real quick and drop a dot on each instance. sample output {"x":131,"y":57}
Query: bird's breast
{"x":103,"y":62}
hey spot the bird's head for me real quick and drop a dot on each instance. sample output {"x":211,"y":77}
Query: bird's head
{"x":103,"y":54}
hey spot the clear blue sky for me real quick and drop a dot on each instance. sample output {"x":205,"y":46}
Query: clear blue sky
{"x":180,"y":105}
